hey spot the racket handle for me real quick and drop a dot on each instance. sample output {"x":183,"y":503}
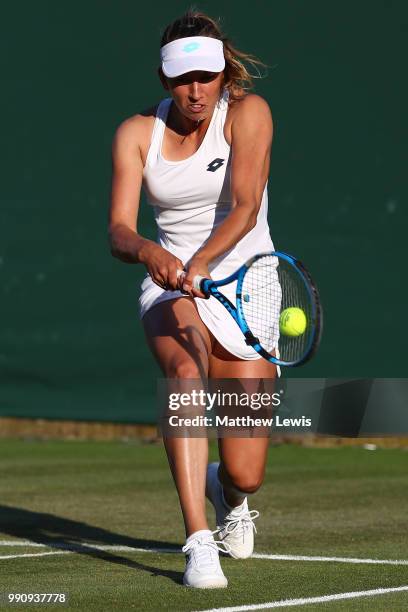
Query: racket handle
{"x":196,"y":281}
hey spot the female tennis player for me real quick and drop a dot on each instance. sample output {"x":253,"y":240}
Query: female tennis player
{"x":202,"y":156}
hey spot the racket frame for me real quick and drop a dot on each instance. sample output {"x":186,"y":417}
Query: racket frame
{"x":210,"y":287}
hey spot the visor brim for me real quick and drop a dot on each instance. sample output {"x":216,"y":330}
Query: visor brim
{"x":177,"y":67}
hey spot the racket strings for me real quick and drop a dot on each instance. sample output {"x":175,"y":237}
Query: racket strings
{"x":261,"y":301}
{"x":271,"y":286}
{"x":295,"y":295}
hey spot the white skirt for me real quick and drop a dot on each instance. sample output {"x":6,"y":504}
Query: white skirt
{"x":213,"y":314}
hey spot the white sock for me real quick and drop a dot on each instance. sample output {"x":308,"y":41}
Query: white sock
{"x":198,"y":534}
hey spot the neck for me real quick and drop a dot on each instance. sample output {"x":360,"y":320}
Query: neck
{"x":183,"y":125}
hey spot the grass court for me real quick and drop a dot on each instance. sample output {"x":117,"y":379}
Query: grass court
{"x":101,"y":522}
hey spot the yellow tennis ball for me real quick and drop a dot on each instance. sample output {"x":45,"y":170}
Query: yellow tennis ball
{"x":292,"y":322}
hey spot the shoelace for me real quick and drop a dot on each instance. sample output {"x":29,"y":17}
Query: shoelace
{"x":244,"y":521}
{"x":200,"y":544}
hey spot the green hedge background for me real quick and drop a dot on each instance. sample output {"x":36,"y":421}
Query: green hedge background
{"x":71,"y":344}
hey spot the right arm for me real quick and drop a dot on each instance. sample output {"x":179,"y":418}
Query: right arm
{"x":125,"y":241}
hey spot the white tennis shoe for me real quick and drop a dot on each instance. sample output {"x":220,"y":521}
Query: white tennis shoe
{"x":203,"y":569}
{"x":235,"y":525}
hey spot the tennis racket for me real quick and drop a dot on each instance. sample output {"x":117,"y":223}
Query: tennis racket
{"x":277,"y":307}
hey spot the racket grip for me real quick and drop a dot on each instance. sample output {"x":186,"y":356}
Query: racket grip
{"x":196,"y":281}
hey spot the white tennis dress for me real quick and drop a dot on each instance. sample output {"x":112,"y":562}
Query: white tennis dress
{"x":191,"y":198}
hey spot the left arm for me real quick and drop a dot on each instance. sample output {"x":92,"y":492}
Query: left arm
{"x":251,"y":138}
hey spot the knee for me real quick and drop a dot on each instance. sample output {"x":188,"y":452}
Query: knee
{"x":184,"y":369}
{"x":246,"y":481}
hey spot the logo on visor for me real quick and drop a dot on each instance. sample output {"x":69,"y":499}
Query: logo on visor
{"x":191,"y":47}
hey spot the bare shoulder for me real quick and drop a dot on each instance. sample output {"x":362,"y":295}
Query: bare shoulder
{"x":134,"y":133}
{"x":252,"y":112}
{"x":251,"y":105}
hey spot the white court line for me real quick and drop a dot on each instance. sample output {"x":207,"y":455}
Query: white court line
{"x":304,"y":601}
{"x":43,"y":554}
{"x":329,"y":559}
{"x":119,"y":548}
{"x":81,"y":545}
{"x":72,"y":548}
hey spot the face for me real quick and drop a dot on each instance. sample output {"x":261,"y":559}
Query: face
{"x":195,"y":93}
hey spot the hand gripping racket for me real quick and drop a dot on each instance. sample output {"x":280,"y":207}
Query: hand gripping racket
{"x":277,"y":307}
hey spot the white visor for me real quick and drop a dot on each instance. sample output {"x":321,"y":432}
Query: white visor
{"x":192,"y":53}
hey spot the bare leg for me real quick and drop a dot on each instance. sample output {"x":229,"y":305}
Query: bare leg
{"x":243,"y":460}
{"x":181,"y":344}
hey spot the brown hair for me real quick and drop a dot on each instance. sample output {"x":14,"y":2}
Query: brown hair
{"x":237,"y":79}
